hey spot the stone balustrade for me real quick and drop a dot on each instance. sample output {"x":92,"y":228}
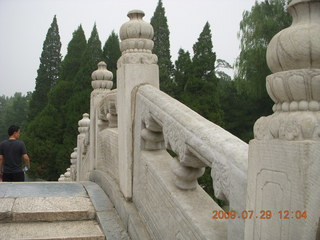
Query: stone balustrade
{"x":124,"y":145}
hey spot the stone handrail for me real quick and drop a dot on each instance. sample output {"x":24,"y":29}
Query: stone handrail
{"x":198,"y":143}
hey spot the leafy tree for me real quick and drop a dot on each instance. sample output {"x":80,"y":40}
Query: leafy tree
{"x":162,"y":47}
{"x":3,"y":125}
{"x":48,"y":71}
{"x":111,"y":54}
{"x":13,"y":110}
{"x":257,"y":28}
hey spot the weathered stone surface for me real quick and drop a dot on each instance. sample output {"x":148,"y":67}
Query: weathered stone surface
{"x":125,"y":210}
{"x":107,"y":216}
{"x":167,"y":211}
{"x":283,"y":176}
{"x":41,"y":189}
{"x":6,"y":205}
{"x":107,"y":152}
{"x":136,"y":66}
{"x":57,"y":230}
{"x":52,"y":209}
{"x":112,"y":225}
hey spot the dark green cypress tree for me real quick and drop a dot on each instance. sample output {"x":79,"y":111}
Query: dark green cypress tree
{"x":162,"y":48}
{"x":70,"y":66}
{"x":111,"y":54}
{"x":90,"y":58}
{"x":79,"y":102}
{"x":72,"y":61}
{"x":48,"y":128}
{"x":182,"y":73}
{"x":204,"y":58}
{"x":48,"y":71}
{"x":201,"y":89}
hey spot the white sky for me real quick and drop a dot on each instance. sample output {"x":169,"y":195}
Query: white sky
{"x":24,"y":24}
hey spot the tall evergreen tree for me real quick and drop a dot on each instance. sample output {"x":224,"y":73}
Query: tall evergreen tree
{"x":111,"y":54}
{"x":89,"y":60}
{"x":72,"y":61}
{"x":79,"y":102}
{"x":204,"y":58}
{"x":182,"y":73}
{"x":48,"y":71}
{"x":48,"y":128}
{"x":200,"y":91}
{"x":162,"y":47}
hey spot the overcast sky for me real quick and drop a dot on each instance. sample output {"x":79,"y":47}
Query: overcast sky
{"x":24,"y":24}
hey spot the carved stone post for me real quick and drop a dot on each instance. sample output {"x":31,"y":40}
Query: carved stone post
{"x":73,"y":168}
{"x":83,"y":128}
{"x":101,"y":84}
{"x":284,"y":157}
{"x":136,"y":66}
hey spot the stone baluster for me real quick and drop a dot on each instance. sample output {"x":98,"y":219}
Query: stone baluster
{"x":61,"y":178}
{"x":136,"y":66}
{"x":101,"y":84}
{"x":186,"y":167}
{"x":83,"y":128}
{"x":284,"y":157}
{"x":67,"y":175}
{"x":73,"y":168}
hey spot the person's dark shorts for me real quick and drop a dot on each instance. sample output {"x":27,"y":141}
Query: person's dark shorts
{"x":13,"y":177}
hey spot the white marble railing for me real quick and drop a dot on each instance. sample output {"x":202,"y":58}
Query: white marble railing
{"x":166,"y":123}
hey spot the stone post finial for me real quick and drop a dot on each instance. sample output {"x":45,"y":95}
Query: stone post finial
{"x":296,"y":47}
{"x":84,"y":123}
{"x":293,"y":56}
{"x":284,"y":157}
{"x":136,"y":34}
{"x":102,"y":78}
{"x":136,"y":40}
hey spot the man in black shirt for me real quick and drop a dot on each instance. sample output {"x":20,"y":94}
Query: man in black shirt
{"x":12,"y":151}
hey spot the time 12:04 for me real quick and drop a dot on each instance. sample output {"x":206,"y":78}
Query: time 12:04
{"x":286,"y":214}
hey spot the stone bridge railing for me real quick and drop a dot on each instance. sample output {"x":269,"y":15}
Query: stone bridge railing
{"x":123,"y":147}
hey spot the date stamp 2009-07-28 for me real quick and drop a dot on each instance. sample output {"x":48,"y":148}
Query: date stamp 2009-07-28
{"x":263,"y":214}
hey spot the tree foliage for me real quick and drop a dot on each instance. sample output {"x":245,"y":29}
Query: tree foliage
{"x":162,"y":47}
{"x":197,"y":84}
{"x":245,"y":100}
{"x":13,"y":110}
{"x":257,"y":28}
{"x":45,"y":134}
{"x":111,"y":54}
{"x":48,"y":71}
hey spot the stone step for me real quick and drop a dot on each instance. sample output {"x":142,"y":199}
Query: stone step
{"x":66,"y":230}
{"x":35,"y":209}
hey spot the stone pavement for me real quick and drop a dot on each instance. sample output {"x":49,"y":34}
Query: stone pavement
{"x":51,"y":210}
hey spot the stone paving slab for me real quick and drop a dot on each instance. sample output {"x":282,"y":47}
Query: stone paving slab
{"x":107,"y":216}
{"x":41,"y":189}
{"x":73,"y":230}
{"x":52,"y":209}
{"x":6,"y":205}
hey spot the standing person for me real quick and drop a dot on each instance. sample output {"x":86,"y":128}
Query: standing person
{"x":12,"y":151}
